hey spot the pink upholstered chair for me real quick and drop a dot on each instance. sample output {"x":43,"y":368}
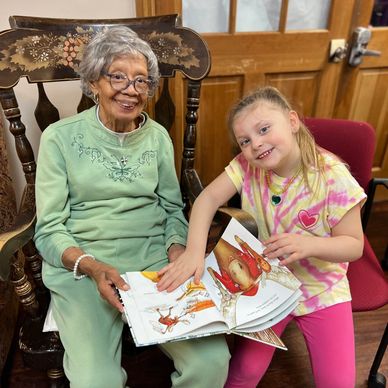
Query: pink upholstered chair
{"x":354,"y":142}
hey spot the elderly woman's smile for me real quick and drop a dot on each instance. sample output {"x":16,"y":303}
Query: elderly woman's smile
{"x":119,"y":110}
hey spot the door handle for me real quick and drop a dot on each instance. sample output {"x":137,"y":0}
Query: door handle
{"x":360,"y":39}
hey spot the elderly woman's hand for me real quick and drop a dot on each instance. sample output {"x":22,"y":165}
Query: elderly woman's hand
{"x":107,"y":278}
{"x":175,"y":251}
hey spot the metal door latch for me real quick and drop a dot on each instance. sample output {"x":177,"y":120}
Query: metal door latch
{"x":360,"y":39}
{"x":338,"y":50}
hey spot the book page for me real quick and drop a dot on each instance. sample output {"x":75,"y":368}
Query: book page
{"x":275,"y":315}
{"x":245,"y":285}
{"x":269,"y":321}
{"x":157,"y":317}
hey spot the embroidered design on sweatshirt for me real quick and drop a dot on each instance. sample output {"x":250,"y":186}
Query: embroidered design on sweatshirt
{"x":117,"y":166}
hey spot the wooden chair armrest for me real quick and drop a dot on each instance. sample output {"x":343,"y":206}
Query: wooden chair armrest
{"x":221,"y":220}
{"x":18,"y":234}
{"x":193,"y":186}
{"x":240,"y":215}
{"x":368,"y":208}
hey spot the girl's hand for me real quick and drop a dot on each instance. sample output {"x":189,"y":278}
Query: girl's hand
{"x":107,"y":278}
{"x":178,"y":271}
{"x":289,"y":247}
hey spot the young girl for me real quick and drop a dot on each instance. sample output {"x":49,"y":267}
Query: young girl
{"x":307,"y":207}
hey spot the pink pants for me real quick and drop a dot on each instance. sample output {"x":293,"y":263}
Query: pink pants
{"x":329,"y":336}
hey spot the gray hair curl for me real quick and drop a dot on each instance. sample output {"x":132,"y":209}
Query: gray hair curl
{"x":109,"y":44}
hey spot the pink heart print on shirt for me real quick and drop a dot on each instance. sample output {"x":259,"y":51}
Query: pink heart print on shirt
{"x":306,"y":219}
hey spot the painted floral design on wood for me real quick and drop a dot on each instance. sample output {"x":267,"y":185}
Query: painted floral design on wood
{"x":48,"y":49}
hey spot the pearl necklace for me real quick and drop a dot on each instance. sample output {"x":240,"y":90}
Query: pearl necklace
{"x":276,"y":197}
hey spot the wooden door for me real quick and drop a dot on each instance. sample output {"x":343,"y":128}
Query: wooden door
{"x":363,"y":90}
{"x":295,"y":61}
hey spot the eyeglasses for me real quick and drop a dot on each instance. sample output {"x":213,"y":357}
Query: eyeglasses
{"x":120,"y":82}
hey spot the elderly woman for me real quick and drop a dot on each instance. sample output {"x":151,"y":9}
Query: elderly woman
{"x":108,"y":201}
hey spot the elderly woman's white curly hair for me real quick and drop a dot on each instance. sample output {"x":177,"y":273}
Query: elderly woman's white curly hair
{"x":109,"y":44}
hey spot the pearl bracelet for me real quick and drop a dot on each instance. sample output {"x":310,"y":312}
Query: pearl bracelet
{"x":76,"y":264}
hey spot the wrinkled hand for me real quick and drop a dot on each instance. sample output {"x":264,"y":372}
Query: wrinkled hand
{"x":175,"y":251}
{"x":289,"y":247}
{"x":181,"y":269}
{"x":107,"y":278}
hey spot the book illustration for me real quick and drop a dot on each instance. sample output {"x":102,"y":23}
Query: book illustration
{"x":192,"y":289}
{"x":169,"y":321}
{"x":228,"y":300}
{"x":241,"y":292}
{"x":151,"y":275}
{"x":240,"y":271}
{"x":166,"y":314}
{"x":282,"y":276}
{"x":243,"y":272}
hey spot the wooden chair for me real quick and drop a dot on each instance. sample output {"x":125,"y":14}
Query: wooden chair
{"x":35,"y":48}
{"x":8,"y":302}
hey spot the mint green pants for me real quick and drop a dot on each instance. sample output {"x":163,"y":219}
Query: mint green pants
{"x":90,"y":330}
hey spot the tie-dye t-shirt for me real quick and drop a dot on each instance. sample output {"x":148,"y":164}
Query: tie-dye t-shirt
{"x":323,"y":283}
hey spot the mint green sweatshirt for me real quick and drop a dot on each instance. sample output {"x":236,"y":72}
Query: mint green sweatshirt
{"x":93,"y":192}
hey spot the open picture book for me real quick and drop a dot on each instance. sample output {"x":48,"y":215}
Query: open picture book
{"x":241,"y":292}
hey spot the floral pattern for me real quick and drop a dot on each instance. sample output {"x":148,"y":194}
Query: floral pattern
{"x":116,"y":166}
{"x":48,"y":49}
{"x":169,"y":48}
{"x":45,"y":50}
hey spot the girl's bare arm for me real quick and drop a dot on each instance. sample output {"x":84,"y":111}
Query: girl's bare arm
{"x":191,"y":262}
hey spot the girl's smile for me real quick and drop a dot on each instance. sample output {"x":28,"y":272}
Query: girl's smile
{"x":265,"y":154}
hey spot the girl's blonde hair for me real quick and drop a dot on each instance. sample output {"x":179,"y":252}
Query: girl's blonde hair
{"x":310,"y":153}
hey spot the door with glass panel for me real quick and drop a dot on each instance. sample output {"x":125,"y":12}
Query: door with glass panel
{"x":363,"y":85}
{"x":298,"y":46}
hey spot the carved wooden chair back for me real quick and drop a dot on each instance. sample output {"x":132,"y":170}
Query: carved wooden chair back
{"x":8,"y":305}
{"x":49,"y":50}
